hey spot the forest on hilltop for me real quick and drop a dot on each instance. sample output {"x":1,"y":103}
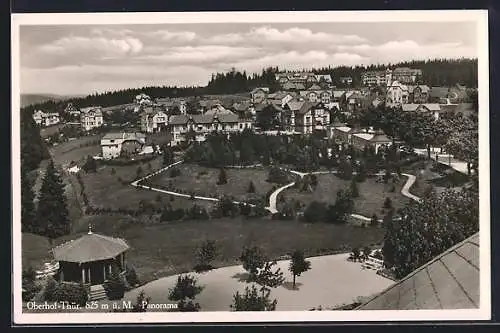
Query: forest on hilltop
{"x":439,"y":72}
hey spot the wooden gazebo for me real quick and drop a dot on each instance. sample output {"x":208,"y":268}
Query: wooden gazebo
{"x":90,"y":259}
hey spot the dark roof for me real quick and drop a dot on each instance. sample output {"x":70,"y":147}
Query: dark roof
{"x":90,"y":247}
{"x":306,"y":106}
{"x":450,"y":281}
{"x":203,"y":118}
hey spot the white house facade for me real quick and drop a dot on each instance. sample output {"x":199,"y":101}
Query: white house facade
{"x":91,"y":118}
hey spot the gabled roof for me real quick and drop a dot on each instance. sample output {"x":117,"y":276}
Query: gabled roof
{"x":306,"y":106}
{"x":337,"y":123}
{"x":295,"y":105}
{"x":263,"y":89}
{"x":449,"y":281}
{"x":90,"y":247}
{"x":414,"y":107}
{"x":326,"y":78}
{"x":203,"y":118}
{"x":338,"y":93}
{"x":314,"y":87}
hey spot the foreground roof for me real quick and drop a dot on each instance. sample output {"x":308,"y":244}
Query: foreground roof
{"x":450,"y":281}
{"x":90,"y":247}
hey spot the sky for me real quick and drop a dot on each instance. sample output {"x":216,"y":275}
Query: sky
{"x":83,"y":59}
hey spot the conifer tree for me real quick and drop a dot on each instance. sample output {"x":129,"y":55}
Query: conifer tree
{"x":28,"y":212}
{"x":52,"y":213}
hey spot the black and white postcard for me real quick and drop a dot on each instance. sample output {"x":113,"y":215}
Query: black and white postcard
{"x":250,"y":167}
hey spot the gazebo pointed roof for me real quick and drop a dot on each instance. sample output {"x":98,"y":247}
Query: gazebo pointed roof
{"x":90,"y":247}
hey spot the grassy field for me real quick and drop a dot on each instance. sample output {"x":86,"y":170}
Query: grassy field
{"x":35,"y":250}
{"x":107,"y":190}
{"x":438,"y":176}
{"x":203,"y":181}
{"x":76,"y":150}
{"x":48,"y":131}
{"x":169,"y":248}
{"x":371,"y":194}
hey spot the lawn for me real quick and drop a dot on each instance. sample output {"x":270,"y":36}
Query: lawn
{"x":438,"y":176}
{"x":111,"y":189}
{"x":371,"y":194}
{"x":164,"y":249}
{"x":203,"y":181}
{"x":76,"y":150}
{"x":48,"y":131}
{"x":35,"y":250}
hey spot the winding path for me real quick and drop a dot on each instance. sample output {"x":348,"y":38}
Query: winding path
{"x":137,"y":184}
{"x":274,"y":196}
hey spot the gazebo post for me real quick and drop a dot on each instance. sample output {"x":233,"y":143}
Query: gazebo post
{"x":83,"y":275}
{"x":90,"y":281}
{"x":104,"y":271}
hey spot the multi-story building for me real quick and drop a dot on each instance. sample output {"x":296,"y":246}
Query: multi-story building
{"x":259,"y":95}
{"x":153,"y":120}
{"x":406,"y":75}
{"x":91,"y":117}
{"x":376,"y":78}
{"x":397,"y":94}
{"x":113,"y":145}
{"x":197,"y":127}
{"x":303,"y":116}
{"x":46,"y":119}
{"x":419,"y":94}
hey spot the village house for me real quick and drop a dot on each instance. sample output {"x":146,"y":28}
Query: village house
{"x":326,"y":78}
{"x":91,"y":117}
{"x":376,"y":139}
{"x":259,"y":95}
{"x":346,"y":80}
{"x":142,"y":100}
{"x":72,"y":110}
{"x":281,"y":97}
{"x":430,"y":108}
{"x":304,"y":116}
{"x":315,"y":87}
{"x":153,"y":119}
{"x":397,"y":94}
{"x":354,"y":101}
{"x":419,"y":94}
{"x":197,"y":127}
{"x":114,"y":145}
{"x":46,"y":119}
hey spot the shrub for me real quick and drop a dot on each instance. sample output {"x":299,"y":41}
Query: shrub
{"x":114,"y":287}
{"x":251,"y":187}
{"x":393,"y":188}
{"x":174,"y":172}
{"x":222,"y":177}
{"x":113,"y":171}
{"x":277,"y":175}
{"x":131,"y":277}
{"x":75,"y":294}
{"x":388,"y":203}
{"x":50,"y":290}
{"x":374,"y":220}
{"x":315,"y":212}
{"x":354,"y":189}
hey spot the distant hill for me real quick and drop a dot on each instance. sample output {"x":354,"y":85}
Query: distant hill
{"x":30,"y":99}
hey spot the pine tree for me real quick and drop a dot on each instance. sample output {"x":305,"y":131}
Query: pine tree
{"x":251,"y":187}
{"x":222,"y":177}
{"x":298,"y":265}
{"x":52,"y":213}
{"x":354,"y":189}
{"x":28,"y":213}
